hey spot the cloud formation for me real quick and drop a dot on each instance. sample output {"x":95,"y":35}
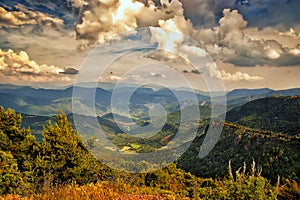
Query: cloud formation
{"x":24,"y":17}
{"x":114,"y":78}
{"x":70,"y":71}
{"x":207,"y":13}
{"x":20,"y":67}
{"x":232,"y":40}
{"x":239,"y":76}
{"x":111,"y":19}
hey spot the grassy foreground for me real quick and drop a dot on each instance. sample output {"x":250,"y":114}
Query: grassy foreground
{"x":240,"y":185}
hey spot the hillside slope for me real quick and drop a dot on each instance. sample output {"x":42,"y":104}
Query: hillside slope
{"x":275,"y":154}
{"x":277,"y":114}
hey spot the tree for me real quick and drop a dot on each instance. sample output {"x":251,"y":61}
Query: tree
{"x":63,"y":156}
{"x":18,"y":144}
{"x":10,"y":176}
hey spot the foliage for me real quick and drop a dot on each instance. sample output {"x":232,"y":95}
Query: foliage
{"x":63,"y":157}
{"x":171,"y":183}
{"x":290,"y":190}
{"x":62,"y":168}
{"x":10,"y":176}
{"x":20,"y":142}
{"x":276,"y":114}
{"x":242,"y":185}
{"x":276,"y":154}
{"x":19,"y":146}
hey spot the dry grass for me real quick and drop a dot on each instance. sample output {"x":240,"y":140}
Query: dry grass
{"x":104,"y":190}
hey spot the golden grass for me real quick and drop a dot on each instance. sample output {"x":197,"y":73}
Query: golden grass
{"x":98,"y":191}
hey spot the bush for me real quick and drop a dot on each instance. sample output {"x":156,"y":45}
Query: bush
{"x":242,"y":185}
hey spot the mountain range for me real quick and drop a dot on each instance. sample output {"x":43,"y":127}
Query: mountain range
{"x":45,"y":102}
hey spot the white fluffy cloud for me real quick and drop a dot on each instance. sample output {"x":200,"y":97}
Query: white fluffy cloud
{"x":12,"y":63}
{"x":232,"y":41}
{"x":111,"y":19}
{"x":47,"y":45}
{"x":239,"y":76}
{"x":19,"y":67}
{"x":25,"y":16}
{"x":236,"y":43}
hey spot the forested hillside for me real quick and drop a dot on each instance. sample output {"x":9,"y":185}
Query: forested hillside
{"x":274,"y":154}
{"x":245,"y":162}
{"x":277,"y":114}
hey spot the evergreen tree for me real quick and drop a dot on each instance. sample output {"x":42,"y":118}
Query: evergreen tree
{"x":18,"y":144}
{"x":63,"y":156}
{"x":10,"y":176}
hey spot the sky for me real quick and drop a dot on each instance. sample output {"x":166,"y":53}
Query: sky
{"x":242,"y":43}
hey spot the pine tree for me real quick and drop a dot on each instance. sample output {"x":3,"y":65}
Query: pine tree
{"x":10,"y":176}
{"x":63,"y":156}
{"x":18,"y":143}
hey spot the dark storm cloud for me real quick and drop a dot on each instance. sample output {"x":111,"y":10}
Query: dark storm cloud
{"x":70,"y":71}
{"x":258,"y":13}
{"x":264,"y":13}
{"x":284,"y":61}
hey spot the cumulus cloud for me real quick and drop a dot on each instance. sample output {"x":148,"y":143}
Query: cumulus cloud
{"x":47,"y":45}
{"x":194,"y":50}
{"x":239,"y":76}
{"x":226,"y":76}
{"x":109,"y":19}
{"x":206,"y":13}
{"x":21,"y":68}
{"x":295,"y":51}
{"x":232,"y":40}
{"x":173,"y":35}
{"x":24,"y":16}
{"x":12,"y":63}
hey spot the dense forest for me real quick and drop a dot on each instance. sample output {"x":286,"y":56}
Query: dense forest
{"x":277,"y":114}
